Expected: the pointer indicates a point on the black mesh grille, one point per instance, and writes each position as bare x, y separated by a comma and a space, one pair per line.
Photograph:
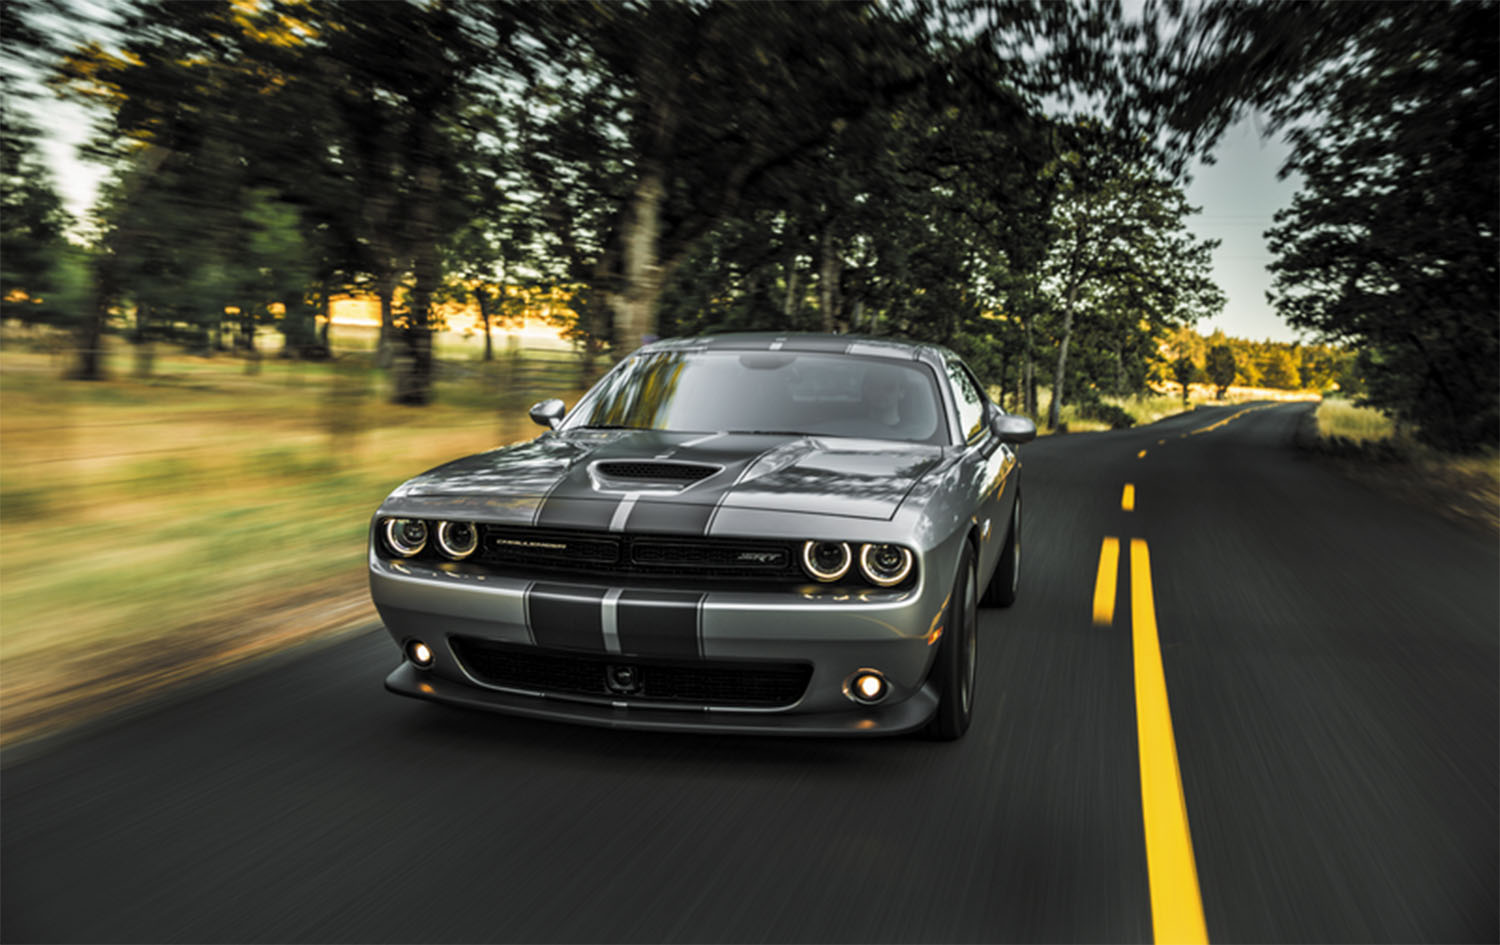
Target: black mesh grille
686, 555
561, 549
595, 553
745, 684
659, 472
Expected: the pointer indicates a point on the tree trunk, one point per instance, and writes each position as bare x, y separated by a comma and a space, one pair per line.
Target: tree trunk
1028, 371
145, 352
327, 305
635, 308
1004, 375
413, 373
828, 277
91, 339
385, 288
792, 306
247, 340
1058, 380
482, 297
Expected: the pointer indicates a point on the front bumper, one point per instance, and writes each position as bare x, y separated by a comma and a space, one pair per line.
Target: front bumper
834, 633
905, 716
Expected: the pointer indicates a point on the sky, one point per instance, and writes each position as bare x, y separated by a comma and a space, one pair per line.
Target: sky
1238, 195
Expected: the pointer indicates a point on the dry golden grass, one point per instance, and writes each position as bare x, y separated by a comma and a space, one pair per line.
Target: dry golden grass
152, 529
1151, 407
1340, 418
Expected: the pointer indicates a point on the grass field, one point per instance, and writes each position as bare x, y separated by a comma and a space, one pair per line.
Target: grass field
1340, 418
149, 528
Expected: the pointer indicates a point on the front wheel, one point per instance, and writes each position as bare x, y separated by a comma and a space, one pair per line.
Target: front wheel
958, 657
1007, 577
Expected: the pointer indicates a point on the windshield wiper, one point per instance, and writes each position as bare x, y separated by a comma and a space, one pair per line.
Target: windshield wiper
611, 426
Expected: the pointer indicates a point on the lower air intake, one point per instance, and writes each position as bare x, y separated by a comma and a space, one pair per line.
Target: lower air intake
731, 684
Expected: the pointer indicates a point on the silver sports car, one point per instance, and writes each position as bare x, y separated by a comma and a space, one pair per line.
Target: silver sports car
783, 534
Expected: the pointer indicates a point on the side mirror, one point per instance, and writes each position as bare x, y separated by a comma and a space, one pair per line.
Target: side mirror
549, 413
1011, 428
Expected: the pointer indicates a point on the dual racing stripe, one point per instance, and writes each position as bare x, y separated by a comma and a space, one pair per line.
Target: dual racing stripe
574, 503
662, 624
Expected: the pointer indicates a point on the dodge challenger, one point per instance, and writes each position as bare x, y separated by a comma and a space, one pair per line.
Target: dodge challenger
762, 533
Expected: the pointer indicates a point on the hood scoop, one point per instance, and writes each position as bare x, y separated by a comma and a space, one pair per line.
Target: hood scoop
635, 474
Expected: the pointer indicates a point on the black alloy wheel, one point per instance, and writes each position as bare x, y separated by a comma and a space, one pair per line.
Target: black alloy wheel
958, 656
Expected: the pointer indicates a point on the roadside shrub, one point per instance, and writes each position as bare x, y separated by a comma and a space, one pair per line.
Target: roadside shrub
1117, 417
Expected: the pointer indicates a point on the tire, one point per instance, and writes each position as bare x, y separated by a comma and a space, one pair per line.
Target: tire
1007, 577
955, 671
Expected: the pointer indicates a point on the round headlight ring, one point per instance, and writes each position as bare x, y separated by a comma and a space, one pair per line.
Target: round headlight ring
457, 540
885, 565
405, 536
826, 560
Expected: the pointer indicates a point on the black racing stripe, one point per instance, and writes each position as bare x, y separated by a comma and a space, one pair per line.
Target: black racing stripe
563, 511
574, 503
671, 516
561, 615
659, 623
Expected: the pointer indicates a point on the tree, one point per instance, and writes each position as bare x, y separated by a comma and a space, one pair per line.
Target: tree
1394, 243
1123, 248
1184, 372
32, 222
34, 255
1280, 370
1221, 368
1393, 115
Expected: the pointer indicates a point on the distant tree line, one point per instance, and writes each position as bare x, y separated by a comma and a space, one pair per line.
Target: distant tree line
902, 169
1225, 361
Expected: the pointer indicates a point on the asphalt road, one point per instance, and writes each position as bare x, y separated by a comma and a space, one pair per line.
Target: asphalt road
1330, 661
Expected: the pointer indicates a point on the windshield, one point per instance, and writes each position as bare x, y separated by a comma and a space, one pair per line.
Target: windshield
769, 392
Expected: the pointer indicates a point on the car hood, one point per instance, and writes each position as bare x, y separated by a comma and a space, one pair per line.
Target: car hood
575, 479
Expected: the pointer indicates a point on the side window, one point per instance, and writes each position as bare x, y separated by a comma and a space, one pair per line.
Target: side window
970, 401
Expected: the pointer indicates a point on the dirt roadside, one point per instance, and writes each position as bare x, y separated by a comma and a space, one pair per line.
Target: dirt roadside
47, 694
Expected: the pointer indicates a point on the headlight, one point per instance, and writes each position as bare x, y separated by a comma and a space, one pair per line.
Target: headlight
405, 536
885, 565
826, 560
457, 539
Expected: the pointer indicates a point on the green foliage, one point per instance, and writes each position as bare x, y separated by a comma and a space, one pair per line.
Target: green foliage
32, 221
1393, 246
1221, 368
1124, 267
1184, 372
1393, 241
1280, 370
1116, 416
675, 168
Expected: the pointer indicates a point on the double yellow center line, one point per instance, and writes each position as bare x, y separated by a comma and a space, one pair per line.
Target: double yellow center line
1176, 902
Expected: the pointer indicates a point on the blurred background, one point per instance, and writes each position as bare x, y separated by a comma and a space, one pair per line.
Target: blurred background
325, 246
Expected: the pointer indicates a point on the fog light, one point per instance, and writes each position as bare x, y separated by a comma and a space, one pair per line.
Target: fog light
419, 653
866, 687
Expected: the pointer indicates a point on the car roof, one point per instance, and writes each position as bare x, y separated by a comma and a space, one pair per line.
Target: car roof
810, 342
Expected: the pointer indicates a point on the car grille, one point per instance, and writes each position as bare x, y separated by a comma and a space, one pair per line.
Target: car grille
594, 553
743, 684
